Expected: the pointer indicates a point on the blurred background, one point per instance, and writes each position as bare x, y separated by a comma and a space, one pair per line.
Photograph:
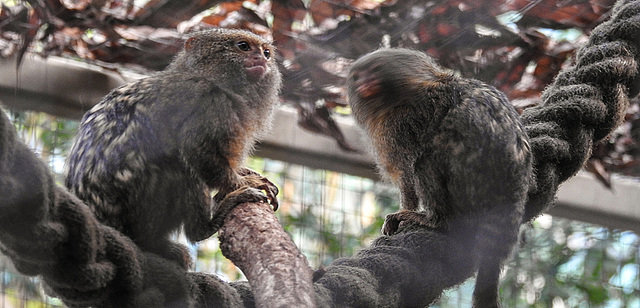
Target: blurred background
58, 57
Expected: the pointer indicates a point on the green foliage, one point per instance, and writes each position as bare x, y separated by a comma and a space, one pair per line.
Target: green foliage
564, 263
47, 135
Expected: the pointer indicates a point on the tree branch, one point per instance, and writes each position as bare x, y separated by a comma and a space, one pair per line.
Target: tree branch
277, 271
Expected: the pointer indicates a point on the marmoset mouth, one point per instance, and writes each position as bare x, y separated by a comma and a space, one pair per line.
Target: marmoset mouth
255, 67
256, 71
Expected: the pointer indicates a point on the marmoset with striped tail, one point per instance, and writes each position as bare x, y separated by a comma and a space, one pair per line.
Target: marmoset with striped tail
453, 146
147, 156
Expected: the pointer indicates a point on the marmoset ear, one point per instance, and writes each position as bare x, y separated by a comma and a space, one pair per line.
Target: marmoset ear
190, 43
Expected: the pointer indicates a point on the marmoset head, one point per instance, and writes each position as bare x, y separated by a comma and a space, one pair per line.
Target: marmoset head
389, 77
228, 55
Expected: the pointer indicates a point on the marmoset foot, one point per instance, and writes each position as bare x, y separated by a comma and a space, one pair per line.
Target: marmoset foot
392, 221
253, 179
244, 194
262, 183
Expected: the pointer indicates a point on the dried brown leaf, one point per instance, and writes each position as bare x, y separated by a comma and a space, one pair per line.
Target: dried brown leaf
321, 10
595, 167
568, 13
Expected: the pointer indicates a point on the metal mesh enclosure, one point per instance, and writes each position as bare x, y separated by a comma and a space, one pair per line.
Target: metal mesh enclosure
560, 263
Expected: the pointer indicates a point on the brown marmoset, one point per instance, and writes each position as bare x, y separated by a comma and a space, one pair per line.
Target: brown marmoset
453, 146
148, 155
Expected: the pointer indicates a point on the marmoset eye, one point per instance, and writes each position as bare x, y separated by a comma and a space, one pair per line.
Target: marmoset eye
244, 46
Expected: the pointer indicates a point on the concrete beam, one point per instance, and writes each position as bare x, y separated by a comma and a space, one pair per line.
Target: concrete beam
584, 198
57, 86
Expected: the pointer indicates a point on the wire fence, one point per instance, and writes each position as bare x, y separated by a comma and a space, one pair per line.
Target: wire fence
560, 263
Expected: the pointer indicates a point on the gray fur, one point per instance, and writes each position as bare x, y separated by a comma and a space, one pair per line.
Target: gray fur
147, 155
455, 148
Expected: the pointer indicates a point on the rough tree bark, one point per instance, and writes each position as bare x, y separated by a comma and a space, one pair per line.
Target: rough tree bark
279, 275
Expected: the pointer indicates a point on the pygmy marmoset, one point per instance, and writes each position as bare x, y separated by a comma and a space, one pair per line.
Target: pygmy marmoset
147, 156
454, 147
